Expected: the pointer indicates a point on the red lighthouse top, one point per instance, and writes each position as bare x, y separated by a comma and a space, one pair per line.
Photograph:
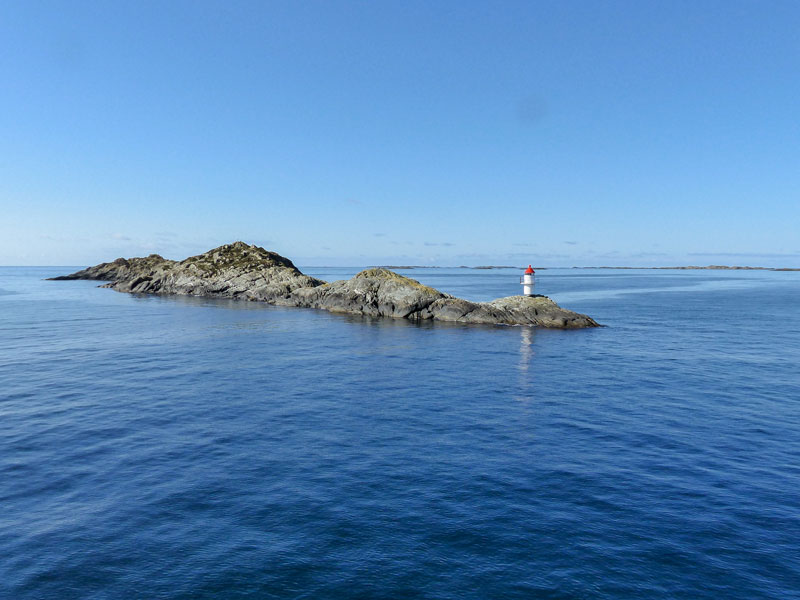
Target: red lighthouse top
529, 271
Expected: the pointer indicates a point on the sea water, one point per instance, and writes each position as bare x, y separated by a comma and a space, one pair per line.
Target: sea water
177, 447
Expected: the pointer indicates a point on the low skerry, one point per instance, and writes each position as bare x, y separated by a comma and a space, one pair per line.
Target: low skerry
248, 272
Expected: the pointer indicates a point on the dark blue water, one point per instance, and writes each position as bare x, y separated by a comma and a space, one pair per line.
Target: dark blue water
186, 448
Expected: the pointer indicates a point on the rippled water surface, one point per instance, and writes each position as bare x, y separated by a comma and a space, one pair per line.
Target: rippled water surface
156, 447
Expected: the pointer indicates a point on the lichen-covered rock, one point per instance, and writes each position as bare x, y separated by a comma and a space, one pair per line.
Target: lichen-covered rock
248, 272
374, 293
538, 310
121, 269
230, 271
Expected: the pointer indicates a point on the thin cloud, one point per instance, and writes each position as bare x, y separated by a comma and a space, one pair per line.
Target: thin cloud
537, 255
648, 254
747, 254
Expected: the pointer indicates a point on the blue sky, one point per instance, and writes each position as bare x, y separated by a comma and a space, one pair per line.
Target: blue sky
356, 133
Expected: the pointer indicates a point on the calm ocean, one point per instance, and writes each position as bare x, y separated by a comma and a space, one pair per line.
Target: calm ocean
173, 447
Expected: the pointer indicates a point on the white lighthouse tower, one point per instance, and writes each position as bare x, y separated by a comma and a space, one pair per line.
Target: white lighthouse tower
527, 281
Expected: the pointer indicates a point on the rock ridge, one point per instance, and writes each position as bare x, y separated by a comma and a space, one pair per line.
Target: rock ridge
249, 272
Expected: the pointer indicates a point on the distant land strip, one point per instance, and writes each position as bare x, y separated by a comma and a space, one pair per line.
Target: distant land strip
686, 268
707, 268
440, 267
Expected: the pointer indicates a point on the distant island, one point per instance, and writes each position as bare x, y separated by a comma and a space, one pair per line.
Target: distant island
406, 267
695, 268
247, 272
685, 268
492, 267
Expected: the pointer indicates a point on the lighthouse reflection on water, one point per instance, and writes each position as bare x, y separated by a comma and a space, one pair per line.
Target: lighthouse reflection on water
525, 348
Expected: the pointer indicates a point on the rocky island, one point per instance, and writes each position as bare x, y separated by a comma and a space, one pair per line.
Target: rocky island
247, 272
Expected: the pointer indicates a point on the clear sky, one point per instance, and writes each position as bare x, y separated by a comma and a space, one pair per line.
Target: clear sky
352, 133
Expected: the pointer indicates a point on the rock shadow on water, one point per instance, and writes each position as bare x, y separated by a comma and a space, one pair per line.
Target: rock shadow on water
203, 302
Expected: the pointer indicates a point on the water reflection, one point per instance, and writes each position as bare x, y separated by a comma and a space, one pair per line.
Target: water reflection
524, 387
203, 301
525, 349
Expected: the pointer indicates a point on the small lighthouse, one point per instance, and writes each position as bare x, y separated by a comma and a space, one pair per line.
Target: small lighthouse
527, 281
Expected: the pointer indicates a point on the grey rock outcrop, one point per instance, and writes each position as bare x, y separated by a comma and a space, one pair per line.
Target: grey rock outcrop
374, 293
247, 272
230, 271
121, 269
